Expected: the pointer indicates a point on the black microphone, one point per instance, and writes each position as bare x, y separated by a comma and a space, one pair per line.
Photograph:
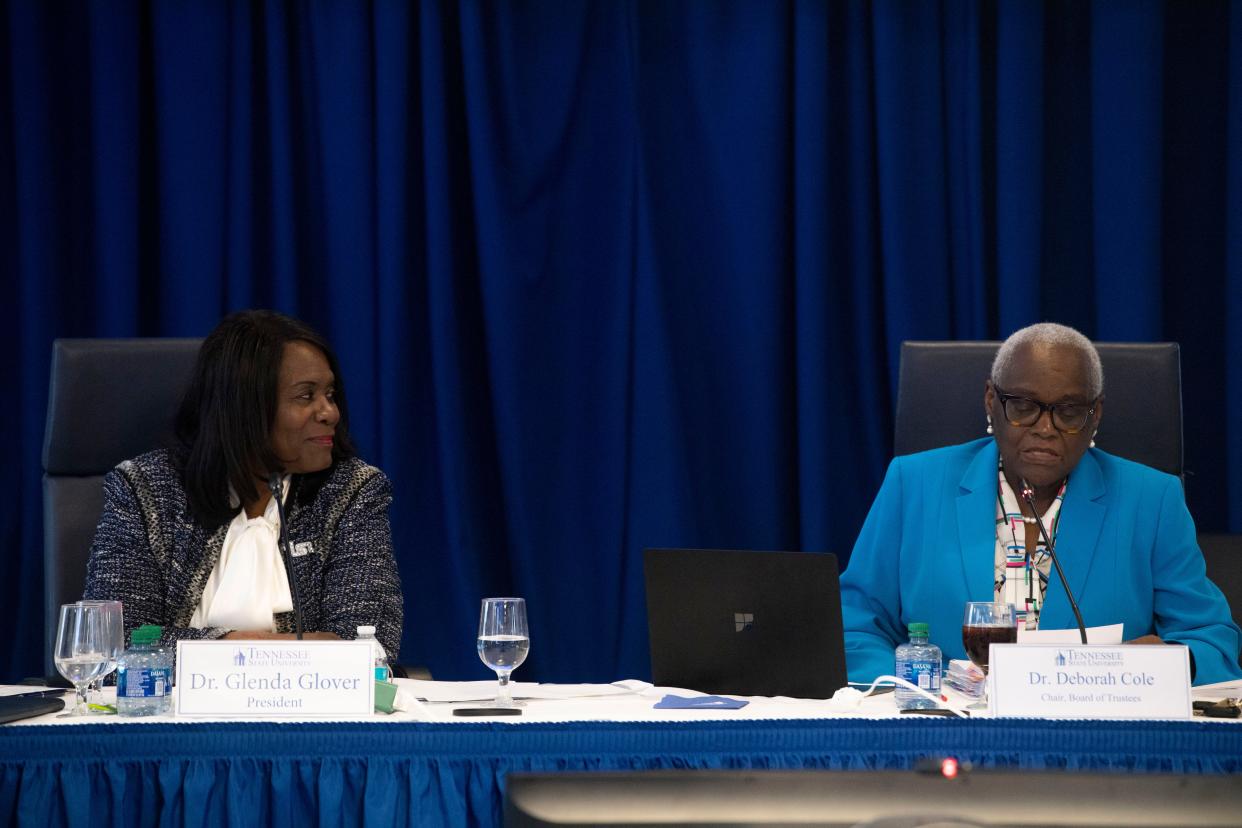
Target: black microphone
1028, 494
286, 554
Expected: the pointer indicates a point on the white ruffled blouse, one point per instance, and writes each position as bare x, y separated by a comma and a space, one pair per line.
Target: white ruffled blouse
248, 585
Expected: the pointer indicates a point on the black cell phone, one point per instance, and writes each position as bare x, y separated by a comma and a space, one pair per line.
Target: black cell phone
1222, 709
487, 711
934, 711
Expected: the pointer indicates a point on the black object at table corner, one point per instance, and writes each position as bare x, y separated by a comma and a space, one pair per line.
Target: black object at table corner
1217, 709
15, 708
487, 711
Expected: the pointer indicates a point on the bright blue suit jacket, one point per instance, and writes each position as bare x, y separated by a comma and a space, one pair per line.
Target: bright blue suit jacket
1126, 541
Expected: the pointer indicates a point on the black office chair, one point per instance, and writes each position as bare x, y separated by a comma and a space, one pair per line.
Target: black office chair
940, 398
1223, 556
109, 400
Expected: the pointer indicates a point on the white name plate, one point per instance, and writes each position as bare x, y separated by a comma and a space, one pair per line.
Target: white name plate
1089, 681
275, 679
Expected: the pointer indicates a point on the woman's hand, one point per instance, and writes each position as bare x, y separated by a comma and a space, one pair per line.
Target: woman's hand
1146, 639
267, 635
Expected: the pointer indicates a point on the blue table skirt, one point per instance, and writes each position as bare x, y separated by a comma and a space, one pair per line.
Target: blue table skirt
348, 774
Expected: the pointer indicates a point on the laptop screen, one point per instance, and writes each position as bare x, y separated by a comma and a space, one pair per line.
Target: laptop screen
744, 622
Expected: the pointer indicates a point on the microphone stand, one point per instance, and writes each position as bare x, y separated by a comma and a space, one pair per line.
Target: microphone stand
1028, 494
286, 554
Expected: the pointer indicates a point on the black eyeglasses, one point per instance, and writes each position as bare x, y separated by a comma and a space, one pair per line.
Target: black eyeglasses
1067, 418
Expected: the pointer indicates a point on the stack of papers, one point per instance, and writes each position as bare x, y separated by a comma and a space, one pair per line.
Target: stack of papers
967, 679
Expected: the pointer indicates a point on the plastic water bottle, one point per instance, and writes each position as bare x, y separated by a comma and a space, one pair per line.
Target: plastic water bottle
382, 671
144, 675
918, 662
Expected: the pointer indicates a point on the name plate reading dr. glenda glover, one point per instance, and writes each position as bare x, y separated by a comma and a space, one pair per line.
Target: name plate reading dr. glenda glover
275, 679
1090, 681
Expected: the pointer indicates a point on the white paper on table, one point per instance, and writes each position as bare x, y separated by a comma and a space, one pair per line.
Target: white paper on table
583, 691
457, 691
1110, 634
464, 691
1220, 690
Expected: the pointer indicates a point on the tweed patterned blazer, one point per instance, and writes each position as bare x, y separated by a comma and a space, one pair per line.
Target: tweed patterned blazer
151, 554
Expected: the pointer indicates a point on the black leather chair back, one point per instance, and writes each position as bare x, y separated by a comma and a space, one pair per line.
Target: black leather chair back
1223, 556
109, 400
940, 398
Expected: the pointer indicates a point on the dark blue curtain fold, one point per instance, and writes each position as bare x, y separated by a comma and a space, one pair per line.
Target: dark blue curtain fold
611, 275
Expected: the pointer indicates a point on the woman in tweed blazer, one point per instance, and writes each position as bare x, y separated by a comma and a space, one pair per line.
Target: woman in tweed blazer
266, 398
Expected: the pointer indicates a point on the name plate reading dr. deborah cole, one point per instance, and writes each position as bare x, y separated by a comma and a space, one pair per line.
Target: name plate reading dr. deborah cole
274, 679
1090, 681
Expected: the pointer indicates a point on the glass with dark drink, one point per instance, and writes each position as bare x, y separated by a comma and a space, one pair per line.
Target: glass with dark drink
984, 624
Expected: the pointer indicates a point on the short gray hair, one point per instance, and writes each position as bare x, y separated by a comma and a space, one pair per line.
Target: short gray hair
1050, 333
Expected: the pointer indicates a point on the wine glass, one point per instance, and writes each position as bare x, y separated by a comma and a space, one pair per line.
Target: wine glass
115, 637
81, 647
984, 624
504, 641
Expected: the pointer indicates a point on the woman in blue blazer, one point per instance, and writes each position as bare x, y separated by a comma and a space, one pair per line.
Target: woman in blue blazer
946, 527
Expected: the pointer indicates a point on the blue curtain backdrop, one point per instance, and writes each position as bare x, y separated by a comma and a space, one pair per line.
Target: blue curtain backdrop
608, 275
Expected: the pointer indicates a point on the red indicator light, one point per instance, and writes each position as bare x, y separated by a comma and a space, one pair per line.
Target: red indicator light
949, 768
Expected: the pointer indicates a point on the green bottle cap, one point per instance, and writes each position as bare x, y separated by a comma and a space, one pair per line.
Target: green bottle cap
146, 634
918, 628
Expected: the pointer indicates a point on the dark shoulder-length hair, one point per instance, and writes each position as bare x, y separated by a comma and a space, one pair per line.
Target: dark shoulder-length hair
224, 424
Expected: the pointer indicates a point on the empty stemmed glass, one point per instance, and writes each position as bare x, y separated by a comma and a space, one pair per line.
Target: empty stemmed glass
504, 641
82, 644
115, 638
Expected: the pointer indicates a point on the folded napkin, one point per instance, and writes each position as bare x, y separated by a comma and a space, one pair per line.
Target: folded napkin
671, 702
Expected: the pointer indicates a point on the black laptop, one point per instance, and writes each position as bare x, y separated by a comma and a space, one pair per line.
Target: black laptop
745, 623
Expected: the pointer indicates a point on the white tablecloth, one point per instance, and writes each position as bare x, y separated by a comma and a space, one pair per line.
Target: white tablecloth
625, 701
